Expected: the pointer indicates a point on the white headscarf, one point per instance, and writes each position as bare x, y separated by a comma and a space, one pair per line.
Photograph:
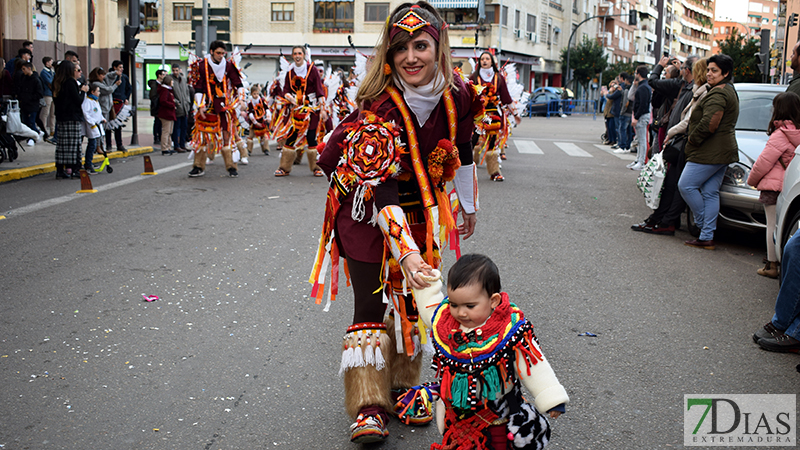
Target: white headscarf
300, 70
219, 69
487, 74
424, 98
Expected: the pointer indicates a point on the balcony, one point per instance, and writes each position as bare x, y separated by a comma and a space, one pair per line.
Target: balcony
644, 34
645, 8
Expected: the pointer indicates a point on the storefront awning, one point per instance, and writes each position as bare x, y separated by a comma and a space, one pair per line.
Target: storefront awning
454, 4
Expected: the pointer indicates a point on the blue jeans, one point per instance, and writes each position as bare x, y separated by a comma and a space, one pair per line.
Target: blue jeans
91, 146
611, 126
699, 187
642, 137
623, 131
179, 133
29, 119
787, 305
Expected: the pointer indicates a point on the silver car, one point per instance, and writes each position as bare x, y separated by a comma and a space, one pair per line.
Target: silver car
787, 210
739, 205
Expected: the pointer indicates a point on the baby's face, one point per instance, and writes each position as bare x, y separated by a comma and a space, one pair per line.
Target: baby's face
471, 305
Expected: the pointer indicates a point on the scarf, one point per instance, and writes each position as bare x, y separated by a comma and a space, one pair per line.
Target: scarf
487, 74
219, 69
301, 70
93, 97
424, 98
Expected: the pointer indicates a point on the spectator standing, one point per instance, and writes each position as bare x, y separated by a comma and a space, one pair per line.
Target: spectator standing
93, 120
153, 85
666, 91
180, 89
625, 114
73, 58
794, 85
615, 97
166, 113
25, 54
47, 114
782, 333
121, 94
770, 167
608, 114
28, 91
711, 146
641, 116
98, 75
68, 96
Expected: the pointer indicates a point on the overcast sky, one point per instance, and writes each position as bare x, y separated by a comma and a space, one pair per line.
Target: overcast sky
735, 9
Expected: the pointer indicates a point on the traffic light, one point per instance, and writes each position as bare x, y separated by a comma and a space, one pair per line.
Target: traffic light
633, 18
793, 20
133, 28
761, 60
131, 42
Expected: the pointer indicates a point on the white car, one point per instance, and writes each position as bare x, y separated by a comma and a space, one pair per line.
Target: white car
787, 210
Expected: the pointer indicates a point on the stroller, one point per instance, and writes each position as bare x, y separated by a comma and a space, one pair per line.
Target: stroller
8, 145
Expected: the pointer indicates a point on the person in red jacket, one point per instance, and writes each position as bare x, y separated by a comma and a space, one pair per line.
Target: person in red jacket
770, 167
166, 114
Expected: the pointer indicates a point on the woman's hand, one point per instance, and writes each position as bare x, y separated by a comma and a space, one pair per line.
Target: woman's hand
468, 226
85, 88
412, 264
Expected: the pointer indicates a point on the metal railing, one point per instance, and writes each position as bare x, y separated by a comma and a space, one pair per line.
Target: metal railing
567, 107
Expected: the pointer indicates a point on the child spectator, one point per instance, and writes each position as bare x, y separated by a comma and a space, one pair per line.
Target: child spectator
484, 350
166, 113
768, 171
257, 117
93, 121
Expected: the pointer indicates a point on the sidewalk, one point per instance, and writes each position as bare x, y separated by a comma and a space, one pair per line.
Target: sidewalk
40, 158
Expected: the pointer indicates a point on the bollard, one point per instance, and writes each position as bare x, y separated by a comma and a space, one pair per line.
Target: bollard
148, 166
86, 184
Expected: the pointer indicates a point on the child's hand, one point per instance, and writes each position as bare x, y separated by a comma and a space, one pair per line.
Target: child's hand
555, 414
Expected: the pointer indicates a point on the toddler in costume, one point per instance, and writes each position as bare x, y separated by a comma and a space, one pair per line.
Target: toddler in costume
484, 349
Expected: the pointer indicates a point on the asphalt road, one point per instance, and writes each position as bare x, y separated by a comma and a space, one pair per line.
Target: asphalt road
234, 355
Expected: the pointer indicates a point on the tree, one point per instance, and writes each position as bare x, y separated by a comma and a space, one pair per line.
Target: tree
743, 52
617, 68
586, 60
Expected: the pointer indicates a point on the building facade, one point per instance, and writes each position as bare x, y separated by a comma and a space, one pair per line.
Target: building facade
723, 30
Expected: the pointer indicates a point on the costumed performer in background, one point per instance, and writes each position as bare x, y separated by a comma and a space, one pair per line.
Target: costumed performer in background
411, 134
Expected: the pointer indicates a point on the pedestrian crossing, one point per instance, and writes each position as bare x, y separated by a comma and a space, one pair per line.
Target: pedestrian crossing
531, 147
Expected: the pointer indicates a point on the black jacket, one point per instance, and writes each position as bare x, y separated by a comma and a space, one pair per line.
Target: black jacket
615, 97
641, 105
68, 103
666, 90
28, 90
684, 98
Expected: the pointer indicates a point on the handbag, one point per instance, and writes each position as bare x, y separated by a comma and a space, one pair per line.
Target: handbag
13, 121
674, 148
651, 180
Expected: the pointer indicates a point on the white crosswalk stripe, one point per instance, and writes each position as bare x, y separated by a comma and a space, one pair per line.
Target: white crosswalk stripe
572, 149
529, 147
623, 156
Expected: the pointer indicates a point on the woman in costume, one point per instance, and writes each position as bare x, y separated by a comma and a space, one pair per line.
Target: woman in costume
492, 134
411, 133
258, 119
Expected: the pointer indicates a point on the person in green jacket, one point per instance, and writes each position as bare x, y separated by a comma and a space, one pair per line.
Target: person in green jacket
711, 146
794, 85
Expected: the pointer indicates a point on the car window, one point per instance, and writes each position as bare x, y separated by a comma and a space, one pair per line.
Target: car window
755, 110
540, 98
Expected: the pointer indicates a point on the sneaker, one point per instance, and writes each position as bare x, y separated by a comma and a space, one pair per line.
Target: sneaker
637, 167
209, 161
707, 245
620, 151
120, 148
765, 332
369, 428
781, 343
615, 146
245, 161
31, 143
233, 173
660, 229
497, 177
631, 164
196, 172
641, 226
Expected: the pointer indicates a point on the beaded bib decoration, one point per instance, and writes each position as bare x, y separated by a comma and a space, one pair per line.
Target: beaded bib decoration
479, 366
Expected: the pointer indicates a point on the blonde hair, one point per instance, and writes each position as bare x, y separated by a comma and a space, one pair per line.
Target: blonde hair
376, 81
699, 71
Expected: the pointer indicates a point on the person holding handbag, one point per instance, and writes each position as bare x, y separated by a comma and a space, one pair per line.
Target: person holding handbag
770, 167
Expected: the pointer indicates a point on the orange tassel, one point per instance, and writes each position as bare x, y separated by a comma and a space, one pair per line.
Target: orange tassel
387, 69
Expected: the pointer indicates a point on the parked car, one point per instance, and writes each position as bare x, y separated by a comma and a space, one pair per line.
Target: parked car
549, 98
787, 210
739, 205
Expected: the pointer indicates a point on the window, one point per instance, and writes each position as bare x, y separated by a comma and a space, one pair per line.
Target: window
375, 12
333, 16
490, 14
283, 12
531, 24
575, 6
182, 11
150, 22
504, 17
517, 15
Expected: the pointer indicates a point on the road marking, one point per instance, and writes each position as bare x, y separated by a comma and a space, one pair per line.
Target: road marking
529, 147
59, 200
625, 156
572, 149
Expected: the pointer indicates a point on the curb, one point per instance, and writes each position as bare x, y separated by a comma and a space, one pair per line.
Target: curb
25, 172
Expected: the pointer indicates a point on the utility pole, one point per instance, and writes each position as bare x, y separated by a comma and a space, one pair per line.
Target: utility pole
163, 22
205, 29
89, 39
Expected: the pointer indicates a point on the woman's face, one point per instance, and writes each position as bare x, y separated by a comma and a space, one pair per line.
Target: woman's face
714, 75
77, 72
101, 76
415, 61
486, 61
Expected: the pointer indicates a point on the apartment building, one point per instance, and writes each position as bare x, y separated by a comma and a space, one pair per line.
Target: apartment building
723, 30
616, 35
762, 15
693, 21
